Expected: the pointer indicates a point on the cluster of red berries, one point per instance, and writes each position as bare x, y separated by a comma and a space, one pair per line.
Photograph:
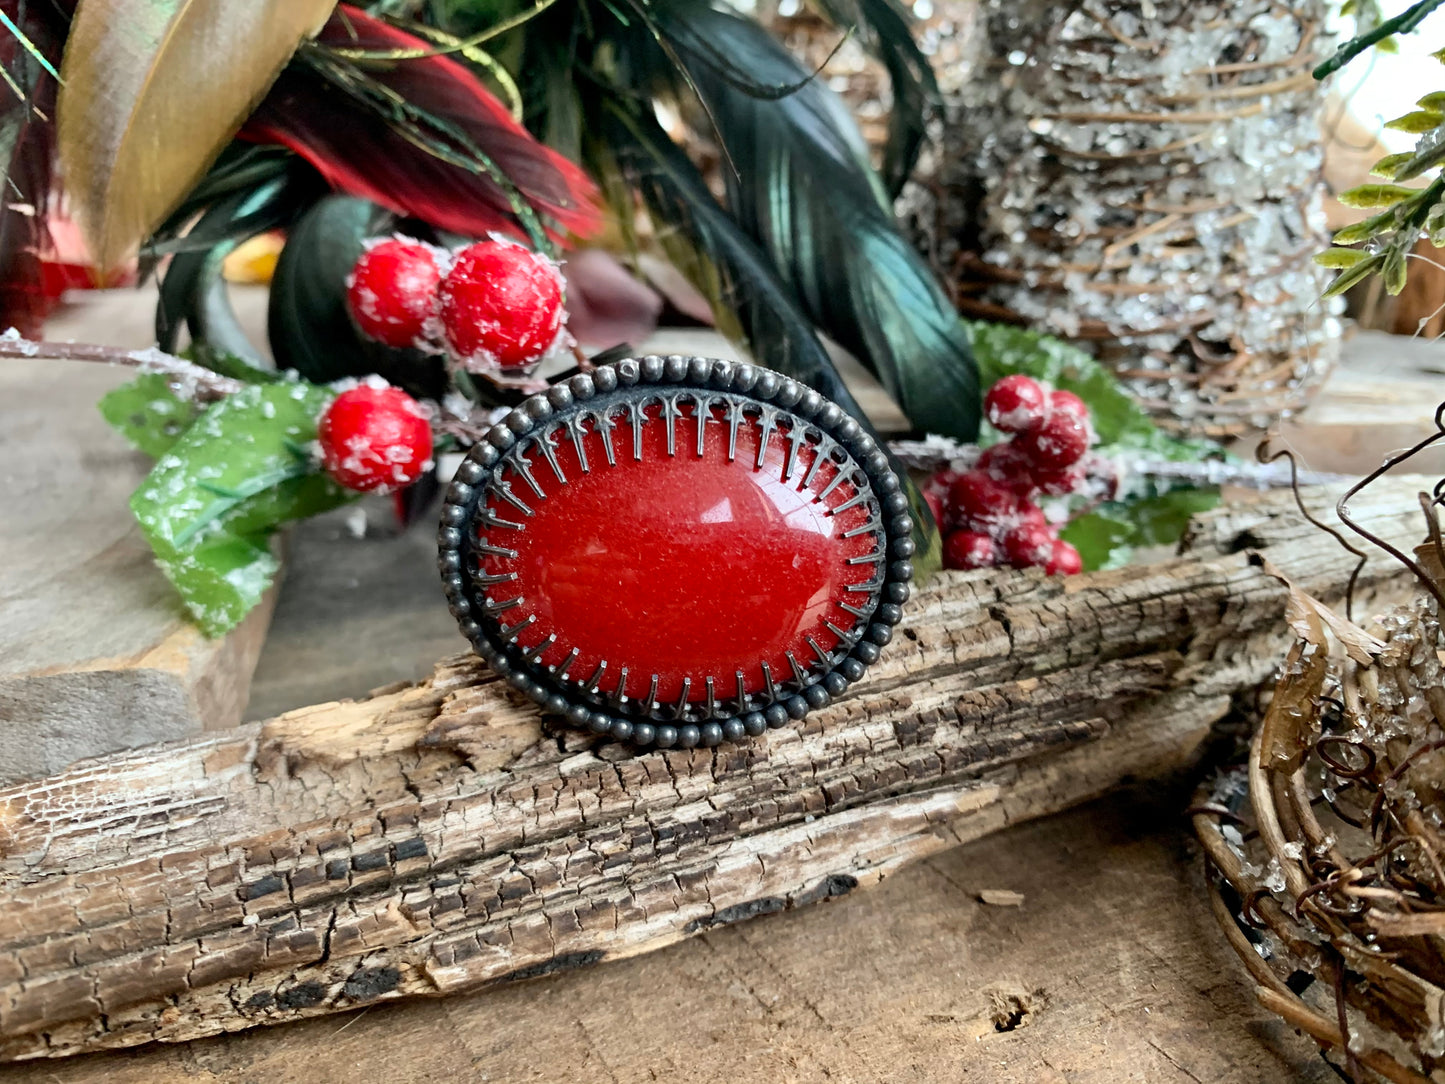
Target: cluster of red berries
493, 305
990, 514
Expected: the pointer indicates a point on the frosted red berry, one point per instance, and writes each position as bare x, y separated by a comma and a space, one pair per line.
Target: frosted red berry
375, 439
969, 549
1064, 560
501, 305
935, 505
1059, 442
1069, 403
1016, 404
1060, 483
392, 292
1028, 545
1006, 463
980, 502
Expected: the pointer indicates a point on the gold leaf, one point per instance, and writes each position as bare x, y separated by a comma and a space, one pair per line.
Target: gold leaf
1309, 618
152, 92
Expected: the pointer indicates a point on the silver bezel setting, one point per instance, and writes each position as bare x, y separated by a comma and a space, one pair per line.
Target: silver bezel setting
632, 385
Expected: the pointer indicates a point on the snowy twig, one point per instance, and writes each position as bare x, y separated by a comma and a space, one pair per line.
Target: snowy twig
187, 379
935, 452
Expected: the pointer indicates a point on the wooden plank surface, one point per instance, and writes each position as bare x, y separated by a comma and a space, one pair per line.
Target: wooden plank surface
96, 653
436, 839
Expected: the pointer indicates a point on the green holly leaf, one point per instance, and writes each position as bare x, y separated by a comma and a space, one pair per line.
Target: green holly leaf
216, 495
1416, 122
1119, 421
1389, 165
1376, 195
1340, 258
1108, 536
148, 413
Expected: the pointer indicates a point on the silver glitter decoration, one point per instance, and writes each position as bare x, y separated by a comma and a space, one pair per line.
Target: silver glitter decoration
1148, 184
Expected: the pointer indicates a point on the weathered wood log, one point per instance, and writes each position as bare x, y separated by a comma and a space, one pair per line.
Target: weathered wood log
441, 837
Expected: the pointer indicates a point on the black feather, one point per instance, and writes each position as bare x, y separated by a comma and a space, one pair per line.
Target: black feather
884, 27
804, 191
709, 247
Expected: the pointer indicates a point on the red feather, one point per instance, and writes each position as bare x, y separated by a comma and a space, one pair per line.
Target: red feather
360, 152
28, 176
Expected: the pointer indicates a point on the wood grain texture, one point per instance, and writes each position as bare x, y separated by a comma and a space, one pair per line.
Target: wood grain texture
96, 652
439, 838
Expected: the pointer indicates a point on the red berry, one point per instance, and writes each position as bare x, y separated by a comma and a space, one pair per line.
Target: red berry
980, 502
1069, 403
375, 439
1059, 442
1007, 464
969, 549
935, 505
1016, 404
1060, 483
1028, 545
501, 305
1064, 560
392, 292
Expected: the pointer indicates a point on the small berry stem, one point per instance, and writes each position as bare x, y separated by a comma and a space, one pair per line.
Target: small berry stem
584, 363
191, 381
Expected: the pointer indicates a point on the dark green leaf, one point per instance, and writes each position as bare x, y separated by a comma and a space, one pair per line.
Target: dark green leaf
148, 414
310, 327
219, 491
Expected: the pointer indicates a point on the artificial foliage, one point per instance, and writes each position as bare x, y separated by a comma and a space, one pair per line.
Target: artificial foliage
1382, 243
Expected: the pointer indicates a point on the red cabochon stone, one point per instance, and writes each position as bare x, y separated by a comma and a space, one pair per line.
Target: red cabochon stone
682, 566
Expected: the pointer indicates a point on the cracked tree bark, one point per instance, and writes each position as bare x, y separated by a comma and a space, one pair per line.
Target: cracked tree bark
442, 838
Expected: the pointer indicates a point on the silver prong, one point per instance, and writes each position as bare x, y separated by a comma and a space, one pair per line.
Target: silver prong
768, 681
568, 661
856, 611
650, 703
711, 698
857, 498
511, 633
575, 431
870, 559
797, 436
767, 423
503, 489
871, 525
735, 419
484, 546
619, 695
487, 579
837, 480
636, 416
549, 452
492, 609
541, 648
799, 674
824, 453
605, 425
596, 678
818, 649
681, 705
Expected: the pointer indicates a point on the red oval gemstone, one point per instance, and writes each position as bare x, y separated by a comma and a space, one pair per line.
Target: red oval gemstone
656, 565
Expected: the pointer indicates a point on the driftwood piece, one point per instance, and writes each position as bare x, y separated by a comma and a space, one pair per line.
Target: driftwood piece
440, 838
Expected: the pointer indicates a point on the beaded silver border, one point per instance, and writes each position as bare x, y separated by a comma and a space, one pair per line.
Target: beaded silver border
465, 501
